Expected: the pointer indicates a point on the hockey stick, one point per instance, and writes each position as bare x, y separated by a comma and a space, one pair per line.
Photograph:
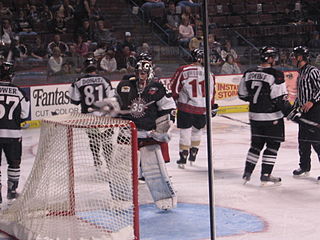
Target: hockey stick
233, 119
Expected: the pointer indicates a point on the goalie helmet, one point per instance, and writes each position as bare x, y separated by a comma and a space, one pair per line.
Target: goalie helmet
145, 66
90, 65
197, 55
301, 51
144, 56
6, 72
266, 52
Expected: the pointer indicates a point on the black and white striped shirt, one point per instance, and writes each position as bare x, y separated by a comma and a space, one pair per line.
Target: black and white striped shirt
308, 85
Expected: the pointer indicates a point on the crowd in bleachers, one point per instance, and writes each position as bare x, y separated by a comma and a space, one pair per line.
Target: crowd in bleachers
60, 34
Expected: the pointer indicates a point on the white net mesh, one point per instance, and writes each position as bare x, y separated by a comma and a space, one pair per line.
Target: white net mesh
83, 183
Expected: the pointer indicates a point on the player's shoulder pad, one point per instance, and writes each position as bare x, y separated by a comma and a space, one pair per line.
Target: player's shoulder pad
278, 75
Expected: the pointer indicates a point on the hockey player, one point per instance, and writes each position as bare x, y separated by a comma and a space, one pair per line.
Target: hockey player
308, 105
87, 90
265, 90
147, 104
188, 89
14, 108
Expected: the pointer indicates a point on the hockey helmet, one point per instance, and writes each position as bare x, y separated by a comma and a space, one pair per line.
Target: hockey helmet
6, 72
145, 66
268, 51
144, 56
197, 55
90, 65
301, 51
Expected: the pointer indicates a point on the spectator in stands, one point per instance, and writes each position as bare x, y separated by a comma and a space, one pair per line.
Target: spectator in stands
86, 31
100, 51
34, 15
67, 68
172, 23
144, 49
82, 47
74, 57
103, 35
149, 5
230, 66
23, 23
215, 57
196, 41
58, 24
315, 40
185, 33
55, 62
228, 50
125, 60
63, 47
284, 63
7, 32
66, 11
95, 11
129, 41
5, 11
19, 50
46, 15
38, 49
81, 11
108, 63
53, 5
190, 17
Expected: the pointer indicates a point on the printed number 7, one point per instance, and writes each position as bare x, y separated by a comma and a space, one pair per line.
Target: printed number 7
258, 86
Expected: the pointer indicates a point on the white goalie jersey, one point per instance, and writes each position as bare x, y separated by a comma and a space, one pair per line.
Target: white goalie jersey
188, 88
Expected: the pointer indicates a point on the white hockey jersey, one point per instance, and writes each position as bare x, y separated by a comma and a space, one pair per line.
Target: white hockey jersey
188, 88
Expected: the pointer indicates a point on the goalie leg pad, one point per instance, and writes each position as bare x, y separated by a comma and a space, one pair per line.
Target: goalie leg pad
157, 178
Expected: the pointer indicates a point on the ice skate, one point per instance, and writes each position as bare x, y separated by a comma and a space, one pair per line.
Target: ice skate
193, 155
12, 193
300, 173
183, 159
269, 180
246, 177
318, 180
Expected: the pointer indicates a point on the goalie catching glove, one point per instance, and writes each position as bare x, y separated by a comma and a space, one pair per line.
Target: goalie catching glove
106, 107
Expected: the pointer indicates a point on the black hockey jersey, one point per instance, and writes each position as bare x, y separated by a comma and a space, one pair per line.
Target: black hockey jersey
262, 87
14, 108
89, 89
145, 107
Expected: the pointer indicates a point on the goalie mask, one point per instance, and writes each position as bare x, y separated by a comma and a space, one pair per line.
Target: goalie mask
266, 52
90, 65
145, 66
197, 55
6, 72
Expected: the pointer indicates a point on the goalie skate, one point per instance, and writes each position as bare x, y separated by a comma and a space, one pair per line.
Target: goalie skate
166, 204
269, 180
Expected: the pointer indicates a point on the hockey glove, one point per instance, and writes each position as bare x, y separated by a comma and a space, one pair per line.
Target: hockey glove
214, 110
106, 107
294, 115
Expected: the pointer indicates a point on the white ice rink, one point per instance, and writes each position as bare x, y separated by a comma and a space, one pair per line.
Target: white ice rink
289, 212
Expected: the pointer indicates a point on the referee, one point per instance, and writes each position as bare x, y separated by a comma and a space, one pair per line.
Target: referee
308, 102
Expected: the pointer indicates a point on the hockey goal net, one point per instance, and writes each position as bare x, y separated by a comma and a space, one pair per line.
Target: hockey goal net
83, 184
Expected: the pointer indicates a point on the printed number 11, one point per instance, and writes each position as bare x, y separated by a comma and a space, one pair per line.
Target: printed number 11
194, 83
